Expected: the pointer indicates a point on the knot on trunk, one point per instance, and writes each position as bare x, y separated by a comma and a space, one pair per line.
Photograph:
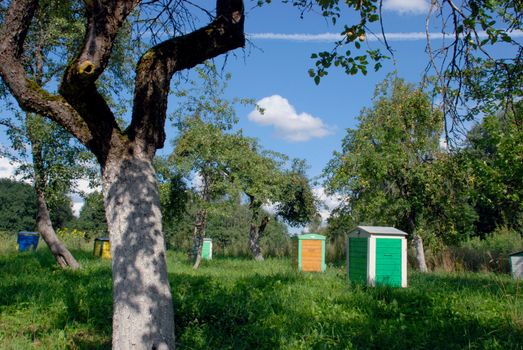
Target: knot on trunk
86, 67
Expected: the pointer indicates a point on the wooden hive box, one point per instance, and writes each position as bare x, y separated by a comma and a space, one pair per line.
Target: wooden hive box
102, 248
377, 255
516, 265
309, 252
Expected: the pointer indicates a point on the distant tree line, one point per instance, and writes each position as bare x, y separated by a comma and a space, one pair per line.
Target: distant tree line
18, 207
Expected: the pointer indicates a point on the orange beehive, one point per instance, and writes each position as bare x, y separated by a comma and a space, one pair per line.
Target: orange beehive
309, 252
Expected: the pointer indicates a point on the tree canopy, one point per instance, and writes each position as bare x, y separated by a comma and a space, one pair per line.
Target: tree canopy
17, 206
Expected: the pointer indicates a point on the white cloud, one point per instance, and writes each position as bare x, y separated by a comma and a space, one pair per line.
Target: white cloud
197, 182
327, 202
323, 37
81, 186
289, 125
391, 37
414, 7
270, 208
443, 145
7, 169
77, 207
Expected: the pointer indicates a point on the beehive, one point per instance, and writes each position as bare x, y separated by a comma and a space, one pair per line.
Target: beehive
102, 248
207, 249
377, 255
27, 241
309, 252
516, 265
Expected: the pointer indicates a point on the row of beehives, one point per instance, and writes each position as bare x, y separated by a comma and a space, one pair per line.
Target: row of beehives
102, 248
375, 255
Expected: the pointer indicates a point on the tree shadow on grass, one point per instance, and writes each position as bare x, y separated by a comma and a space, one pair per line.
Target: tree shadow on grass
278, 310
44, 298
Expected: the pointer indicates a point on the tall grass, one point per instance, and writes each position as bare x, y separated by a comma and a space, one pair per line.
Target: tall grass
235, 303
490, 254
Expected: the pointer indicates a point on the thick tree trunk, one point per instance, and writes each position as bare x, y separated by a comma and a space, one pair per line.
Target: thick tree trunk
255, 234
63, 257
420, 253
143, 316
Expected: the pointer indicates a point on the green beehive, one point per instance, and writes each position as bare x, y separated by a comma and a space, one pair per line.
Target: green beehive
207, 249
309, 252
377, 255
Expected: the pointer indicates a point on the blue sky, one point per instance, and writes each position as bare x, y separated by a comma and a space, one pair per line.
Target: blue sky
302, 119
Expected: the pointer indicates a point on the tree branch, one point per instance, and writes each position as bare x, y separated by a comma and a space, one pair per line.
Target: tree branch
30, 96
157, 66
104, 20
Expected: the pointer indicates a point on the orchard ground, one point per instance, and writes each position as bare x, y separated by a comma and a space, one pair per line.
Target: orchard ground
233, 303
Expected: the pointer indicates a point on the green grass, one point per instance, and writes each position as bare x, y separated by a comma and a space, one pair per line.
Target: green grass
241, 304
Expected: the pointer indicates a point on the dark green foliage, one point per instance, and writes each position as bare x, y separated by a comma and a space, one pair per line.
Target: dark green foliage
227, 226
242, 304
61, 211
17, 206
297, 204
391, 169
494, 153
228, 229
92, 216
489, 254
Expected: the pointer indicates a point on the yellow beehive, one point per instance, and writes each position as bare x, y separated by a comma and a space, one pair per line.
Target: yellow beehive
102, 248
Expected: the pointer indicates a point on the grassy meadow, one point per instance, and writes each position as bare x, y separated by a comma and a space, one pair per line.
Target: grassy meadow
241, 304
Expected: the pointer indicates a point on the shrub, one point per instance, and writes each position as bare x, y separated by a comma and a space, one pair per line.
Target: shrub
335, 251
73, 238
476, 254
491, 253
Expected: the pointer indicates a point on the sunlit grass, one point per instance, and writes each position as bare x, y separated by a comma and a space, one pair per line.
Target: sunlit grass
242, 304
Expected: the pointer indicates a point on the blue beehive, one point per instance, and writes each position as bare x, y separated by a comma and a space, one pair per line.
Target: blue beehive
27, 241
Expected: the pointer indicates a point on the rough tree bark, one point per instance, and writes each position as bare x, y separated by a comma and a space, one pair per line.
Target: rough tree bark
255, 235
418, 245
143, 316
198, 233
140, 282
256, 231
201, 221
420, 253
63, 256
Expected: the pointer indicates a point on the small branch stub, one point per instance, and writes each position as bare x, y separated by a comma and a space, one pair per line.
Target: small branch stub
86, 67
